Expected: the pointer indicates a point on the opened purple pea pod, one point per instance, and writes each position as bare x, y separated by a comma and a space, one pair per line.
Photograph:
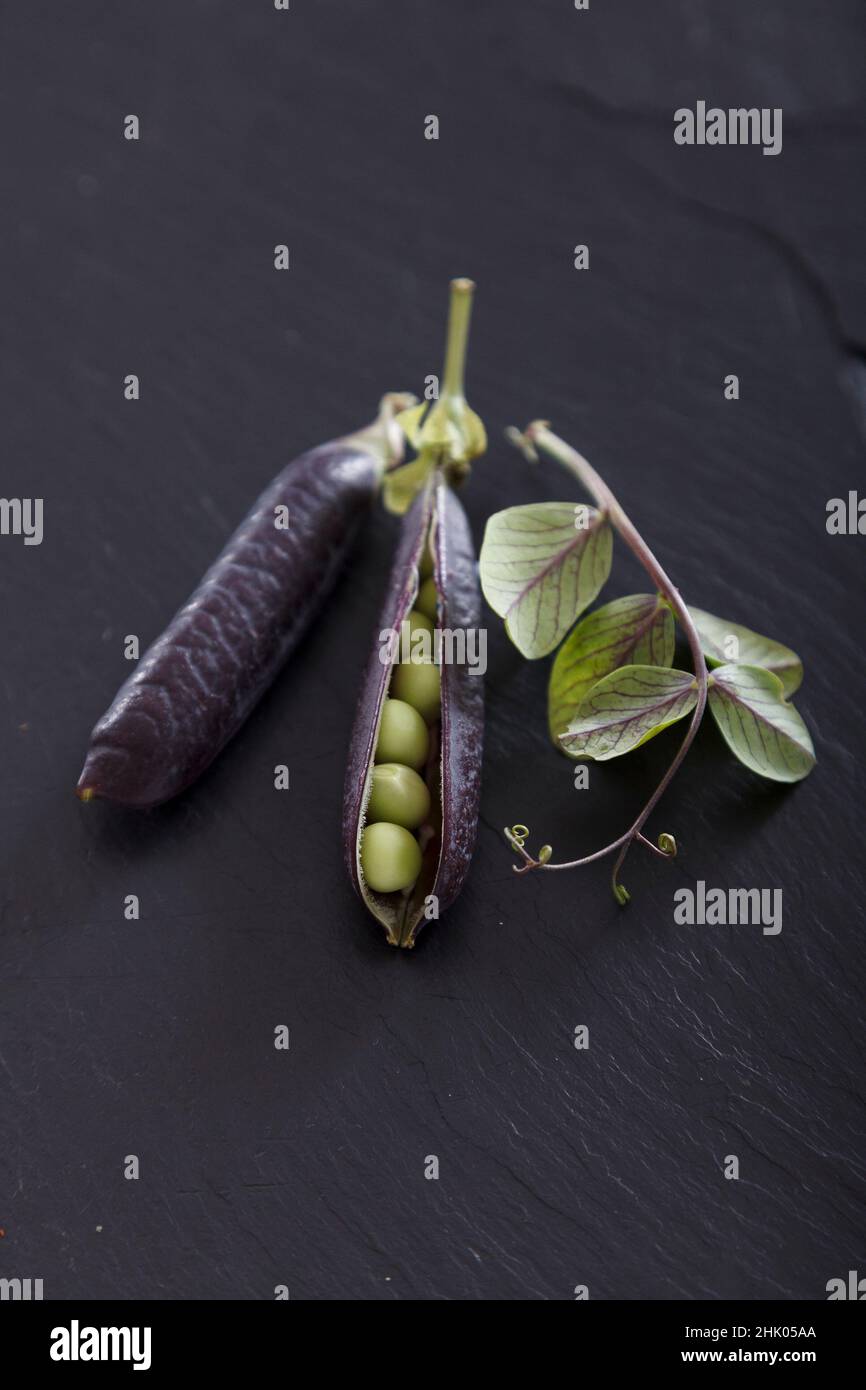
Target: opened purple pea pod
414, 774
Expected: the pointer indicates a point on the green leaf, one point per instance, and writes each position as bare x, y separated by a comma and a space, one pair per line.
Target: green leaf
724, 642
541, 566
626, 708
638, 630
758, 724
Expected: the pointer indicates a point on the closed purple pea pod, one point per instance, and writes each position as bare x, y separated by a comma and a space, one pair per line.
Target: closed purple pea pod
198, 682
452, 767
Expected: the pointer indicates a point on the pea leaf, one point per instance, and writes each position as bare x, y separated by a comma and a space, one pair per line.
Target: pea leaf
541, 566
724, 642
626, 708
637, 630
758, 724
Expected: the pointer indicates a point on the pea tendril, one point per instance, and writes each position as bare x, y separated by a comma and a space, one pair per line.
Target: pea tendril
539, 436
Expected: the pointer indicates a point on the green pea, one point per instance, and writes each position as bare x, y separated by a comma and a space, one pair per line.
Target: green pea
398, 795
427, 599
418, 621
425, 564
403, 737
390, 857
417, 682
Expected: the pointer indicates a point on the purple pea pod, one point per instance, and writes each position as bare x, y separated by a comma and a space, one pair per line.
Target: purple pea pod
197, 683
436, 534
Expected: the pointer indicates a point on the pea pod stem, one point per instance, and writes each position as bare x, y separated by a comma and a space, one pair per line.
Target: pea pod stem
452, 434
457, 338
539, 436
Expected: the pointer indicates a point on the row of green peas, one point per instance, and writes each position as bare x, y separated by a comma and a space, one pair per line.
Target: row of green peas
399, 801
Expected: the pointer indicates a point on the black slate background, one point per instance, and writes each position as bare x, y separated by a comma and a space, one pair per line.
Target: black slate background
557, 1167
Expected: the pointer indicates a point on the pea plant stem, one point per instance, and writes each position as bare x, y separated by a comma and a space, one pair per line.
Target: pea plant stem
539, 436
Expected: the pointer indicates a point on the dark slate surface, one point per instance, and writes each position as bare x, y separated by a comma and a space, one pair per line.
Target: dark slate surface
558, 1167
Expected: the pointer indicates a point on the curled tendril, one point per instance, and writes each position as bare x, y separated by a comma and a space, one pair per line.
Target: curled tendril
517, 835
666, 847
